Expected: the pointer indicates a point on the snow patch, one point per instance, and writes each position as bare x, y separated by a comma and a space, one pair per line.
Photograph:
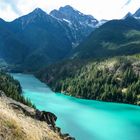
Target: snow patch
136, 17
100, 23
67, 21
74, 45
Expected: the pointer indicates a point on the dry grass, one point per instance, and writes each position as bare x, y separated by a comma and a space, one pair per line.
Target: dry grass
16, 126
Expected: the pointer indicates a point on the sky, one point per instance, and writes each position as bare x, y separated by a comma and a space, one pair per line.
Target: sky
100, 9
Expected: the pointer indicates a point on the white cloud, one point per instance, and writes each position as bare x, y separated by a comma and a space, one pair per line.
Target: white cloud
7, 13
128, 2
133, 6
107, 9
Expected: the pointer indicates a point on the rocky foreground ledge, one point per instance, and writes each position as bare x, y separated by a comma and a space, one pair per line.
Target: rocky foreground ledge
20, 122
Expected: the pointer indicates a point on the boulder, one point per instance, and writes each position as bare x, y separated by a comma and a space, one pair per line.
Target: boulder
48, 117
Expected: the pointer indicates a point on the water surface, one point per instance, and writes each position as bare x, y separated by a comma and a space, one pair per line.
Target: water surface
84, 119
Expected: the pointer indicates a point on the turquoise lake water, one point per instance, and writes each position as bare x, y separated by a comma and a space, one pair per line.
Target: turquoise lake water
84, 119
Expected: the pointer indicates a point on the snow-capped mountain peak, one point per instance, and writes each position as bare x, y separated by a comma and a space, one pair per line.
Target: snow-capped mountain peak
38, 12
81, 25
69, 13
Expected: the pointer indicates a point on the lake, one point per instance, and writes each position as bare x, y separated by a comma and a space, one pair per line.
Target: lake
84, 119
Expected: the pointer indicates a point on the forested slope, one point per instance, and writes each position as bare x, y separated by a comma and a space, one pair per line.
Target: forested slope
114, 79
12, 88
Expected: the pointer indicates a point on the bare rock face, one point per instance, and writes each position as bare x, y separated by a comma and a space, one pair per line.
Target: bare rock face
48, 117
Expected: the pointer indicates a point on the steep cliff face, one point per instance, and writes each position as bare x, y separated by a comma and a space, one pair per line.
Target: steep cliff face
20, 122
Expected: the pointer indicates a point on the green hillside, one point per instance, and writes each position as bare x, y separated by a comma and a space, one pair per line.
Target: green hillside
114, 38
115, 79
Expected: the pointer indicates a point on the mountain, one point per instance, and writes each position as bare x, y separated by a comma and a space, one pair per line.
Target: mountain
137, 14
116, 37
128, 15
39, 39
81, 25
40, 32
9, 43
103, 66
34, 40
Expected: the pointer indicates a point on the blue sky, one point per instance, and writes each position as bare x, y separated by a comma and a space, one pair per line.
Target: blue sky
100, 9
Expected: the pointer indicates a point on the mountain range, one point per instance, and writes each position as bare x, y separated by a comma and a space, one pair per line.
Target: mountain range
105, 66
116, 37
38, 39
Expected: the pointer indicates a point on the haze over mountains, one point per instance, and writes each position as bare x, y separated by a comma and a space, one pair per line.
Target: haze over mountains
38, 39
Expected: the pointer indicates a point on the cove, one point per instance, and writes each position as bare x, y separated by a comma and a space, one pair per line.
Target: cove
84, 119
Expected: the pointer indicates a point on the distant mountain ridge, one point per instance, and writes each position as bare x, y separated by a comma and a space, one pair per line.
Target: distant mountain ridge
39, 39
137, 14
114, 38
